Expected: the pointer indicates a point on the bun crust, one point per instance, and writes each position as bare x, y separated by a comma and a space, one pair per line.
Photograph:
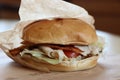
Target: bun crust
31, 62
60, 31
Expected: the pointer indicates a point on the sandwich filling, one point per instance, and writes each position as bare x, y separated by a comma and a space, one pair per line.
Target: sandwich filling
55, 54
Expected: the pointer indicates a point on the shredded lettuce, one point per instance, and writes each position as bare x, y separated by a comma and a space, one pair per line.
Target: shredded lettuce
38, 54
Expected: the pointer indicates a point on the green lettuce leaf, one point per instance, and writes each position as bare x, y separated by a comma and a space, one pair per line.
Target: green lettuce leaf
38, 54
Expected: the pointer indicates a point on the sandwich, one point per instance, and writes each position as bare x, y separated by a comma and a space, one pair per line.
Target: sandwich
60, 44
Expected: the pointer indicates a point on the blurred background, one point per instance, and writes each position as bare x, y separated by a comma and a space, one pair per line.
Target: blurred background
105, 12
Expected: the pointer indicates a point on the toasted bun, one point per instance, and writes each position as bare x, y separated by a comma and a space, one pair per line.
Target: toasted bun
31, 62
60, 31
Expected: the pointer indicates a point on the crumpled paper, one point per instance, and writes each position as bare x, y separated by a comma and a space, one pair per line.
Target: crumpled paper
32, 10
48, 9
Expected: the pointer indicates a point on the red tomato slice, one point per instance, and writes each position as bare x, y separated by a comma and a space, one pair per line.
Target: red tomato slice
70, 54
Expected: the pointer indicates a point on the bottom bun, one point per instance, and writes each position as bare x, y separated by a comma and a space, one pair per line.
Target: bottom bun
31, 62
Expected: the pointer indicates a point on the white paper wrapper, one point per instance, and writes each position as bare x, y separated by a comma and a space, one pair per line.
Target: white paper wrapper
48, 9
32, 10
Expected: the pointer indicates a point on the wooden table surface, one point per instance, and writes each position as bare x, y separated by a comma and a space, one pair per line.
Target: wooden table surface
108, 67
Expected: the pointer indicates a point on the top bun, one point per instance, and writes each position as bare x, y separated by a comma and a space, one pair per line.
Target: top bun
64, 31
